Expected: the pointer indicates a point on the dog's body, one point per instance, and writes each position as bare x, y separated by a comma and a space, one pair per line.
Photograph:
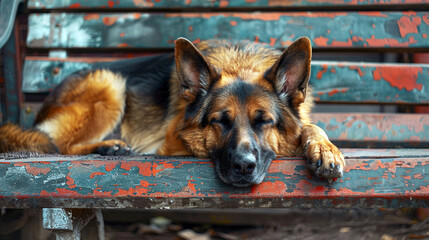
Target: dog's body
240, 104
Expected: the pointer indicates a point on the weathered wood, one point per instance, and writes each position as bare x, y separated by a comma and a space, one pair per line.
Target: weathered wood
345, 129
154, 182
12, 99
70, 224
278, 29
103, 4
375, 130
331, 81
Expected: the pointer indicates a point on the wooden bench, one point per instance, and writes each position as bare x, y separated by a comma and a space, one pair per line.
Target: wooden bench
363, 61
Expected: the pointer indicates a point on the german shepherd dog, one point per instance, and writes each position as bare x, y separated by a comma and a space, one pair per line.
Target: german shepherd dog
239, 103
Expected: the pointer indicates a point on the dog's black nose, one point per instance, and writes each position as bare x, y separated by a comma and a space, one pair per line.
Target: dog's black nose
244, 163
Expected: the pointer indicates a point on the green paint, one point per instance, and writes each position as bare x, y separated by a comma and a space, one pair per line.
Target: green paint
339, 29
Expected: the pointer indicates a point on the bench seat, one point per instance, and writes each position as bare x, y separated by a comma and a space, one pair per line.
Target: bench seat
372, 178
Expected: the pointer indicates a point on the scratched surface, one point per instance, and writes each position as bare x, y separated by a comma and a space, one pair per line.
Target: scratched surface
73, 4
385, 178
332, 81
278, 29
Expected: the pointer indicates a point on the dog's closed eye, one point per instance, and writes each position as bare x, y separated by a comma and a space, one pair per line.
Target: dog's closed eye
221, 119
262, 119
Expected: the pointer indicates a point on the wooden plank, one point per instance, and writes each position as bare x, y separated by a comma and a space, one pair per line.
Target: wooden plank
375, 130
331, 81
278, 29
153, 182
12, 98
103, 4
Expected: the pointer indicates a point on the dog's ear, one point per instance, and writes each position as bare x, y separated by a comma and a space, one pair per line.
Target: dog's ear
291, 72
193, 70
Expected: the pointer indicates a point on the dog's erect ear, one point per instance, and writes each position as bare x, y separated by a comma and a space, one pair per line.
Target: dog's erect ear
193, 70
291, 72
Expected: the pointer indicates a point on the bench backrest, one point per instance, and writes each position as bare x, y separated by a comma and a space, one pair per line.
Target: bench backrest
64, 36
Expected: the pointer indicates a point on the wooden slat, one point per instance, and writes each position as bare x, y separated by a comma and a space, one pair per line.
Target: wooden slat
103, 4
375, 130
332, 81
148, 31
152, 182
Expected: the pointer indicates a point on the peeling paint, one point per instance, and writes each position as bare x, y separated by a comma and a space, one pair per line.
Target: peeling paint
190, 184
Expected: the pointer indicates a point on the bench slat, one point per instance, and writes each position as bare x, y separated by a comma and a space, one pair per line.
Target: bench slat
375, 129
151, 182
143, 30
331, 81
103, 4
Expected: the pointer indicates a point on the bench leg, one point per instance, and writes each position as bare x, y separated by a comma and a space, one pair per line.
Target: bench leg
74, 224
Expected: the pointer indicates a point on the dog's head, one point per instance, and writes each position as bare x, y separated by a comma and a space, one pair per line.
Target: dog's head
242, 104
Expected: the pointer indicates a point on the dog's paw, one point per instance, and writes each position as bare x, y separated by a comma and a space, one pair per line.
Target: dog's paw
114, 148
325, 159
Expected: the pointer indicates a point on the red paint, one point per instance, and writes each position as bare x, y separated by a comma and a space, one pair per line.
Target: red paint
74, 5
278, 166
223, 3
156, 168
70, 182
196, 41
109, 21
142, 189
233, 23
357, 39
122, 45
191, 187
64, 192
321, 41
401, 78
374, 42
44, 193
425, 19
268, 189
258, 16
256, 39
408, 25
110, 4
361, 74
96, 174
334, 91
273, 41
97, 193
336, 43
418, 176
286, 43
373, 14
122, 34
91, 16
321, 72
33, 170
373, 178
144, 167
110, 166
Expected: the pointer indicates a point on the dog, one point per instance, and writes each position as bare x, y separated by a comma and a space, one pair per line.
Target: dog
238, 103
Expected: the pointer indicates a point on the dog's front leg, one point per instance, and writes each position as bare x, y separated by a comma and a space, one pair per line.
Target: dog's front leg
324, 158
